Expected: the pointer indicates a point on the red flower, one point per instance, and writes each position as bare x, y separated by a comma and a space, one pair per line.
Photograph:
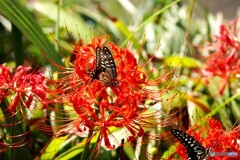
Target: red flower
100, 107
5, 81
224, 61
24, 86
214, 136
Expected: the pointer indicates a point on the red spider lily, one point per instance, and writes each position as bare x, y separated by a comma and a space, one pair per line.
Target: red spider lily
23, 85
224, 61
100, 107
5, 81
214, 136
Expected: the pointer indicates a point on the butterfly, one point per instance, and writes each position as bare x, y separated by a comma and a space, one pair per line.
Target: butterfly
195, 150
105, 68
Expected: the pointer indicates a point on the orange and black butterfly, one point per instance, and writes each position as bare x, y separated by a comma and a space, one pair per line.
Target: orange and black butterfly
105, 68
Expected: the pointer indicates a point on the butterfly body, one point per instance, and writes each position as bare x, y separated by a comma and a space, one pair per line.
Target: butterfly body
105, 68
195, 150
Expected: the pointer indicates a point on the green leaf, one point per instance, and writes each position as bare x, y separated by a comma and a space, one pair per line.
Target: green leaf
25, 22
235, 109
53, 148
229, 100
170, 151
124, 30
68, 19
150, 19
71, 153
187, 62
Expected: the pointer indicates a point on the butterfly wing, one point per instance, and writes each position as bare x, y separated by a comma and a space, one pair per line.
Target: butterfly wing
99, 55
195, 150
107, 62
94, 74
105, 68
109, 72
106, 79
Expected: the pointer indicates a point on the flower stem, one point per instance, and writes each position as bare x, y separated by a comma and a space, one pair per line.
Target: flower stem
18, 47
21, 152
94, 146
86, 148
57, 24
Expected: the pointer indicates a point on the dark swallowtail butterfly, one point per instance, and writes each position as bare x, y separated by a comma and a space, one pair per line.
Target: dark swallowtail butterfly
105, 69
195, 150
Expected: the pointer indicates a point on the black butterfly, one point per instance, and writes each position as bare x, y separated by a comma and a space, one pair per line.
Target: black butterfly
195, 150
105, 68
94, 74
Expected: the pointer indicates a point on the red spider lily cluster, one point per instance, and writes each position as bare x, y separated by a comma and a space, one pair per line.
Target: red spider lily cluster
24, 86
214, 136
100, 107
224, 60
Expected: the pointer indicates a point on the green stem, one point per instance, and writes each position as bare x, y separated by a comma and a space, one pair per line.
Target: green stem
231, 107
213, 112
86, 148
94, 146
13, 130
57, 25
189, 17
17, 45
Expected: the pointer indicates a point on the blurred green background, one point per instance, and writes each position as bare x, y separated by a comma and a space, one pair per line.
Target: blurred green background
43, 32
